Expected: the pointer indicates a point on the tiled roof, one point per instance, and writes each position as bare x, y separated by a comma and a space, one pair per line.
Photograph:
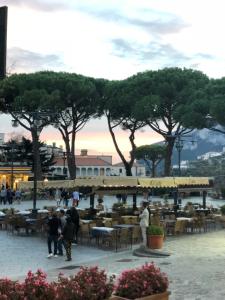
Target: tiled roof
122, 165
84, 161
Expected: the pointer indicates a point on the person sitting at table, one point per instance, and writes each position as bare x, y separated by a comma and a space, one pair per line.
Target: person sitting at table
100, 206
144, 222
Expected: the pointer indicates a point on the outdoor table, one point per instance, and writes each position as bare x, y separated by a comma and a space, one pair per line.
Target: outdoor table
23, 212
31, 221
181, 224
86, 221
103, 232
42, 211
184, 219
129, 226
102, 229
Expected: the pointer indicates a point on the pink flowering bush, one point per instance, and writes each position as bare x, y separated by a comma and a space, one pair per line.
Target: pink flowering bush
35, 286
88, 283
140, 282
10, 290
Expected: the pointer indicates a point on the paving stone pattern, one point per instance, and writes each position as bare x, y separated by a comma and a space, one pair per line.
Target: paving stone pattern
196, 267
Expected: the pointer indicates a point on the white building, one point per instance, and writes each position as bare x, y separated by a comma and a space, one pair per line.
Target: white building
94, 165
137, 170
208, 155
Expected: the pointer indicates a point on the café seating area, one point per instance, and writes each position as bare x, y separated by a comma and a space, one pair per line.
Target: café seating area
116, 230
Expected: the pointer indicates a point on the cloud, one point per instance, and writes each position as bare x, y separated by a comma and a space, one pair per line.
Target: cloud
125, 13
150, 51
152, 21
21, 60
205, 56
45, 5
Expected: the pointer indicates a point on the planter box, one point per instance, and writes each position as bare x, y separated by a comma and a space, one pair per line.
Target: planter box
155, 241
161, 296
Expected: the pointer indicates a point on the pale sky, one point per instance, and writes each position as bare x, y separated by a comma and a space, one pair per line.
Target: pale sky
113, 39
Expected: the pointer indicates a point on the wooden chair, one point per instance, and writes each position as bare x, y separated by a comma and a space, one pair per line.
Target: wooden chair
109, 240
84, 233
136, 234
124, 237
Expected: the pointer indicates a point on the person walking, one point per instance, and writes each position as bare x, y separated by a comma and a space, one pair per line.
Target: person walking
18, 196
3, 195
62, 218
76, 221
67, 237
144, 222
58, 197
54, 226
76, 198
9, 196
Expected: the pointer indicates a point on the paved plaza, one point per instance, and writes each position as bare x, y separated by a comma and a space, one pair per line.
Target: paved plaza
196, 267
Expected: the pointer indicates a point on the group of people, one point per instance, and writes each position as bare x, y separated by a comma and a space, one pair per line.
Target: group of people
9, 195
64, 196
62, 231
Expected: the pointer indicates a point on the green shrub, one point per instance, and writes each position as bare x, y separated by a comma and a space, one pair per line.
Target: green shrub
222, 209
223, 193
155, 230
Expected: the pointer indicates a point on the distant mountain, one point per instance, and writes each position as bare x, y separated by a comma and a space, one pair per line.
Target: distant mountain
204, 141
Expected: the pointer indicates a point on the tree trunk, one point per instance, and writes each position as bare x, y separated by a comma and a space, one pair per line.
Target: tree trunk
36, 153
128, 169
169, 151
127, 165
153, 168
70, 159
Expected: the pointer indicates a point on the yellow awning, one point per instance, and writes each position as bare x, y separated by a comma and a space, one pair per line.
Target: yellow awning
58, 184
29, 184
120, 181
46, 184
140, 182
95, 182
191, 180
157, 182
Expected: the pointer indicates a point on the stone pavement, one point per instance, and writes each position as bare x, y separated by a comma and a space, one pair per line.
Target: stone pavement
196, 267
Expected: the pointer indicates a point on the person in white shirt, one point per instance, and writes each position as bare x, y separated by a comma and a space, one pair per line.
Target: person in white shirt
76, 198
144, 222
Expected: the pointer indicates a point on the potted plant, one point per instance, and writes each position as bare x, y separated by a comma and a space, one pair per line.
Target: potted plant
222, 209
143, 283
155, 236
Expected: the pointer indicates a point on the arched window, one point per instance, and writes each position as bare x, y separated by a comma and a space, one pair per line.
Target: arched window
96, 172
89, 172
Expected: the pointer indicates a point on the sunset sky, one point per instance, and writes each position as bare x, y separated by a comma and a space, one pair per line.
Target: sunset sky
112, 39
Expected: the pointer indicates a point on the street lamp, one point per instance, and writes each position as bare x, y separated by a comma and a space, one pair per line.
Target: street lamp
35, 129
64, 164
179, 146
3, 40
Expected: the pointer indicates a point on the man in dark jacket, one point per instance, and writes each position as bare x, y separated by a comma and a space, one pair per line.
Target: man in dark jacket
76, 221
67, 236
54, 226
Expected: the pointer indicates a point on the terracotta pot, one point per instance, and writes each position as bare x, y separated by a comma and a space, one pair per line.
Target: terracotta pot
155, 241
161, 296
